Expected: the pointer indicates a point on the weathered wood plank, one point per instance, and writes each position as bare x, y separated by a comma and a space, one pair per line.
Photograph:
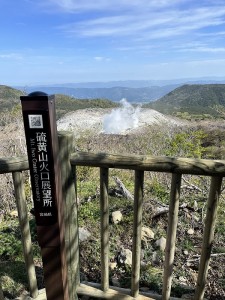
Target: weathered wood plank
93, 290
171, 235
25, 232
110, 294
104, 210
12, 164
137, 224
150, 163
208, 236
115, 293
70, 210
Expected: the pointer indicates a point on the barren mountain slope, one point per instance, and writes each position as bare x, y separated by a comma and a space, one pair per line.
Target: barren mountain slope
92, 120
97, 119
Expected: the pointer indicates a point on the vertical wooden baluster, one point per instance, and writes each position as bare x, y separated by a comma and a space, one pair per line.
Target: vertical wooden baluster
208, 235
136, 251
68, 174
25, 231
171, 235
104, 208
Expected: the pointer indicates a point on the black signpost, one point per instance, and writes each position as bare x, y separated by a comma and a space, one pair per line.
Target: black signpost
42, 147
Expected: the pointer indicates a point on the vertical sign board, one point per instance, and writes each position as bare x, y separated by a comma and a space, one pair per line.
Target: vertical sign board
42, 147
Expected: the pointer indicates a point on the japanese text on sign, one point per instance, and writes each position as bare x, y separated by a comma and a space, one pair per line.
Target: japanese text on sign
42, 167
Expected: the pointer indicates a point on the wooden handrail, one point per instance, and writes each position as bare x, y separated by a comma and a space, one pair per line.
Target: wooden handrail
190, 166
13, 164
165, 164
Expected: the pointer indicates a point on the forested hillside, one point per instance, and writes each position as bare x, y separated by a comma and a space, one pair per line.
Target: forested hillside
9, 97
194, 99
65, 104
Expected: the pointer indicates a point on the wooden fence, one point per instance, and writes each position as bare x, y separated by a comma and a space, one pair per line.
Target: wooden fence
140, 164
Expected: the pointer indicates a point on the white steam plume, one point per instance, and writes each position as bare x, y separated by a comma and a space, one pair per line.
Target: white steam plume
121, 119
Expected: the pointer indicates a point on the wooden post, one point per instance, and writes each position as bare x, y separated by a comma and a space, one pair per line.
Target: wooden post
42, 147
104, 205
25, 232
137, 225
71, 218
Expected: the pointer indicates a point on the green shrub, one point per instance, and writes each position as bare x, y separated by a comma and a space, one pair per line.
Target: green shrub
10, 246
186, 144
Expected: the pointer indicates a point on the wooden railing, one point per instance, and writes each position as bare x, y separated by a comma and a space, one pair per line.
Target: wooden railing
140, 164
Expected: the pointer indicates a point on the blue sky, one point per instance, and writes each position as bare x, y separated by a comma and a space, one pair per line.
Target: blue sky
59, 41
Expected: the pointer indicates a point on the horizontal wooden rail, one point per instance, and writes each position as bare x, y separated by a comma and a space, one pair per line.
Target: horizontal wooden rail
150, 163
190, 166
12, 164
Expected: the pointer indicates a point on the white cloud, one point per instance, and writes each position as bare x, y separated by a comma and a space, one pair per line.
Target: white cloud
14, 56
98, 58
205, 49
148, 24
101, 58
199, 46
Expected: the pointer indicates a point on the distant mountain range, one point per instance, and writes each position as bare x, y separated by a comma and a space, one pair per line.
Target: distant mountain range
135, 95
135, 83
133, 90
194, 99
